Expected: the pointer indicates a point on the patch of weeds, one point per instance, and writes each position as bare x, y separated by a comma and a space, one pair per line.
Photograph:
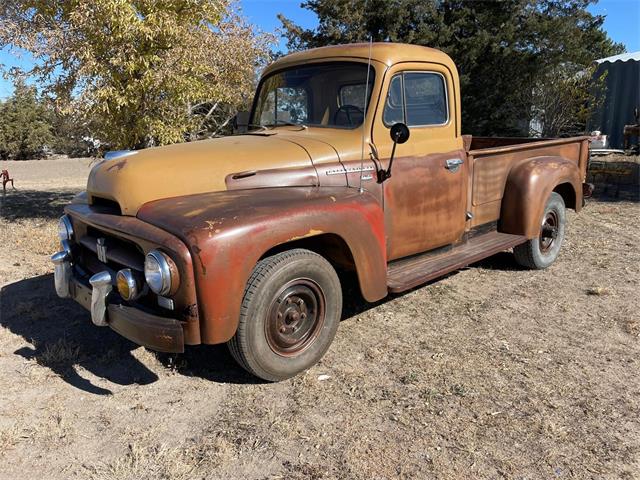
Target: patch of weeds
429, 394
61, 352
8, 438
459, 390
598, 291
632, 327
191, 460
409, 378
303, 471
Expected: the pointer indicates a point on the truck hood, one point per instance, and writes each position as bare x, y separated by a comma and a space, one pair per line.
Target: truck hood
204, 166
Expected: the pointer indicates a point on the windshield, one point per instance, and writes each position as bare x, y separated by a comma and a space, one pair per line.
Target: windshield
322, 95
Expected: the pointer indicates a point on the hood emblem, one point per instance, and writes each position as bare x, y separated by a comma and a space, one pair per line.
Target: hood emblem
101, 250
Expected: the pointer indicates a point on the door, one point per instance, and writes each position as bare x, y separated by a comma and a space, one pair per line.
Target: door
425, 198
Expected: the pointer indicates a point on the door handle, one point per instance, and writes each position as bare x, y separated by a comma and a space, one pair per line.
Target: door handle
453, 164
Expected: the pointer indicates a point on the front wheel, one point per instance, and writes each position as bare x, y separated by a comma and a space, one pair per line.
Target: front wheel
540, 252
290, 313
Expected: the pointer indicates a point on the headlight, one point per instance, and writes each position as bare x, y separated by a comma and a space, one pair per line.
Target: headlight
65, 228
160, 273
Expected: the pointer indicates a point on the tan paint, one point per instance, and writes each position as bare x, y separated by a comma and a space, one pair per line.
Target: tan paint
189, 168
210, 201
491, 168
424, 202
203, 166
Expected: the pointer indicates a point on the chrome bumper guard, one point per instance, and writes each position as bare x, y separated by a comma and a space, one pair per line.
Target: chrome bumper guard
101, 283
152, 331
62, 273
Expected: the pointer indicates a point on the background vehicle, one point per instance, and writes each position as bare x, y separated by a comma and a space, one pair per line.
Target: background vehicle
353, 159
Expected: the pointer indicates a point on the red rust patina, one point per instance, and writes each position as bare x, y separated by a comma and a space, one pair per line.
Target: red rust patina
223, 208
235, 229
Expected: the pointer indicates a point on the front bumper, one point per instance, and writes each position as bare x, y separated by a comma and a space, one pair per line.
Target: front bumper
152, 331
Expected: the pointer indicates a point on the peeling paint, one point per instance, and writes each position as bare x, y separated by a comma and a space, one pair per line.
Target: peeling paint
310, 233
211, 226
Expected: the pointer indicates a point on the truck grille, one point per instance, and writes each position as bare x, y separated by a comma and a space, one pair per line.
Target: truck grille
119, 253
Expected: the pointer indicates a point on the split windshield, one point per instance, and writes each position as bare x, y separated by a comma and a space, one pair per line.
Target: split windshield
319, 95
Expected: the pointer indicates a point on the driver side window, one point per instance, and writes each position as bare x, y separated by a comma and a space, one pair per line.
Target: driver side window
417, 99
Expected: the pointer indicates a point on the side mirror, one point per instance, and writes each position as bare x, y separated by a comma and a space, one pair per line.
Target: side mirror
241, 122
399, 134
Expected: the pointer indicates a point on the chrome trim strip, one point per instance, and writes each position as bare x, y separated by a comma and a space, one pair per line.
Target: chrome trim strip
404, 100
342, 171
113, 155
101, 250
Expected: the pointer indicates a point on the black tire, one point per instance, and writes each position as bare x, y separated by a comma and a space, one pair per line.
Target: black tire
542, 251
289, 316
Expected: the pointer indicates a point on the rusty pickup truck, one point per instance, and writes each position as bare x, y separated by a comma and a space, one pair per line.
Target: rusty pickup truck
352, 159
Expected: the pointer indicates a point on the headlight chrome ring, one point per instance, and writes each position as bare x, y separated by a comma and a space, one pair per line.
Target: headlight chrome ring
161, 273
65, 228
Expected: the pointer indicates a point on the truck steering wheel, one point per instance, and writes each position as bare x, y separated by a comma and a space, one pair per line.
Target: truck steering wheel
349, 112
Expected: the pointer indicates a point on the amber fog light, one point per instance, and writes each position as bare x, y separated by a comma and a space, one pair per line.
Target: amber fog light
129, 286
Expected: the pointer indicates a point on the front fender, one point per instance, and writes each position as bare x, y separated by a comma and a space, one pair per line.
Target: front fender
528, 187
228, 232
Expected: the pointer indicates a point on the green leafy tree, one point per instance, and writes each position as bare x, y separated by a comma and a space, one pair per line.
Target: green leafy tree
25, 125
565, 99
504, 50
138, 73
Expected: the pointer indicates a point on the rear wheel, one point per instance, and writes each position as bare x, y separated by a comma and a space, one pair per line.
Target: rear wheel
290, 313
542, 251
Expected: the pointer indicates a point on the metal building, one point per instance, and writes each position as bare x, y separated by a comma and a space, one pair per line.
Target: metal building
622, 96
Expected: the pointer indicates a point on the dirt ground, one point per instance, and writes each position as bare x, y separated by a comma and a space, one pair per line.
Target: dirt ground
492, 372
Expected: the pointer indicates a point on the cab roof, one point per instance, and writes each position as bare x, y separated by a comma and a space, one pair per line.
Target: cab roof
384, 52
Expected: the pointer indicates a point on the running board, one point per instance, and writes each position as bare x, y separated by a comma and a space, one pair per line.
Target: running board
410, 272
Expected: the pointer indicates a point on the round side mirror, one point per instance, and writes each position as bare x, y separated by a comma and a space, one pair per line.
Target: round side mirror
400, 133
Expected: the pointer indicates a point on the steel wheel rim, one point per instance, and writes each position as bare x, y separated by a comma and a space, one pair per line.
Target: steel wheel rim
549, 231
295, 317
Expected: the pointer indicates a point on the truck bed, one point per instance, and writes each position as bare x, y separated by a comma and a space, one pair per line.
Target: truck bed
490, 159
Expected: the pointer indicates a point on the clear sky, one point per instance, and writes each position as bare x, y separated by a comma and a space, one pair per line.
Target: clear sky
622, 24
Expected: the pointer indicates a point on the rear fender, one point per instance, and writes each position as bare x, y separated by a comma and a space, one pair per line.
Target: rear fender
228, 232
528, 187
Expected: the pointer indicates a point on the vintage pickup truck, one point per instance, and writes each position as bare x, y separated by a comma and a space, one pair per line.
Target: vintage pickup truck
352, 159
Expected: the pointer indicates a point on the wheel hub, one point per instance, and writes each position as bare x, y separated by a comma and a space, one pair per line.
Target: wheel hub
548, 231
295, 317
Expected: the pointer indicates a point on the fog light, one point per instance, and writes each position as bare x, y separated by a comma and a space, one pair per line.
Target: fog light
129, 287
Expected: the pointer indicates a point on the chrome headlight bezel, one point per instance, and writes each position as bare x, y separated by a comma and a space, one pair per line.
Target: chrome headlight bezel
65, 229
158, 272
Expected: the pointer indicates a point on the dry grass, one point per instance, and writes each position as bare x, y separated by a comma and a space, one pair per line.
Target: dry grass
142, 462
494, 372
9, 437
